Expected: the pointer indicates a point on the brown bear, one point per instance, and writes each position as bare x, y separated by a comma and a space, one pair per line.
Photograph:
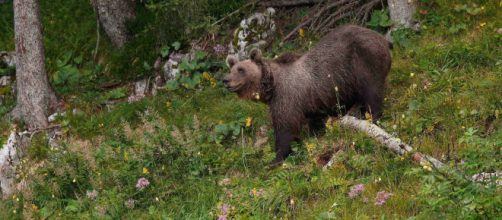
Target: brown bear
347, 68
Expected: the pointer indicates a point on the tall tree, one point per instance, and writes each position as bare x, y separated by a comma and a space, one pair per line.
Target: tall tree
113, 15
35, 98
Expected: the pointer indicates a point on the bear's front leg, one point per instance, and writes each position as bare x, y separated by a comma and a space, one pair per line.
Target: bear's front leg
283, 139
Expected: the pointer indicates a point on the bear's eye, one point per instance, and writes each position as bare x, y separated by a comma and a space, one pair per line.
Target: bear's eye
241, 71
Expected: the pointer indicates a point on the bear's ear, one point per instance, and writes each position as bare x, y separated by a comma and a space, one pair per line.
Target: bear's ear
231, 60
255, 55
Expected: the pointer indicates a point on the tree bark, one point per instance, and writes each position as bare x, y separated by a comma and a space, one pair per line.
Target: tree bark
113, 15
402, 12
35, 98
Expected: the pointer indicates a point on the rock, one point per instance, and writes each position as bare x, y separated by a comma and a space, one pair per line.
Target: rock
8, 58
54, 116
488, 177
54, 135
141, 87
499, 31
254, 31
5, 80
11, 155
77, 111
171, 69
261, 137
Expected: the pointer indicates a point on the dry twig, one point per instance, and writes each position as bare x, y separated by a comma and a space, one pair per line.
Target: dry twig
326, 14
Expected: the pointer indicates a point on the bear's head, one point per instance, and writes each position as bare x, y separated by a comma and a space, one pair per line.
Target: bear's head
245, 76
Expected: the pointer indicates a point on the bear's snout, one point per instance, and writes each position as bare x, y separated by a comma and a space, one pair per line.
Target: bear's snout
226, 83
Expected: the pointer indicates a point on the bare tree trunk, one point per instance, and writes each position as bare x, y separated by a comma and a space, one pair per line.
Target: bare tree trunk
35, 98
402, 12
113, 15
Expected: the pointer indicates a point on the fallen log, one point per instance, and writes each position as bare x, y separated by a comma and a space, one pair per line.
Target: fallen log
398, 146
392, 143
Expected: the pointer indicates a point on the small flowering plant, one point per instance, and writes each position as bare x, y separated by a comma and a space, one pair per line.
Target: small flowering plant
142, 183
382, 197
356, 190
224, 211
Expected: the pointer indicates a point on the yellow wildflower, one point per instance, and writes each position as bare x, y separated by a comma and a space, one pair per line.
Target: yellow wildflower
412, 74
126, 156
206, 76
249, 120
497, 112
329, 123
368, 116
310, 147
301, 32
428, 168
145, 170
482, 24
213, 82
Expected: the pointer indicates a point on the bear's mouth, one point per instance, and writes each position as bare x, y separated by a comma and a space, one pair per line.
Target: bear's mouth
234, 88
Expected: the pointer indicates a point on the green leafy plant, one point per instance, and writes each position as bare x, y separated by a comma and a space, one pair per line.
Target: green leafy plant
230, 130
380, 20
190, 75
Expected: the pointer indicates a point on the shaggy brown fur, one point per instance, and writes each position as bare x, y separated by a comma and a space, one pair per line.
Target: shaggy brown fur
347, 68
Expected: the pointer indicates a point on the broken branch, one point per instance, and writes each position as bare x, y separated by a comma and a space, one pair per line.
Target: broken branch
288, 3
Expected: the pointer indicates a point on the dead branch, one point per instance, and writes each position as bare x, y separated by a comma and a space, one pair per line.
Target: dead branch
365, 10
397, 146
316, 15
393, 143
288, 3
340, 14
233, 13
326, 14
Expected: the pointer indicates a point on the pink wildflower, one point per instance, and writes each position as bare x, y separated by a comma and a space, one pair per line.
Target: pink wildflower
381, 197
219, 49
130, 203
225, 182
356, 190
92, 195
142, 183
224, 212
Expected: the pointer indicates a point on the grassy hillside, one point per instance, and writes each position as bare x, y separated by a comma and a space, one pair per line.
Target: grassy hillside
196, 147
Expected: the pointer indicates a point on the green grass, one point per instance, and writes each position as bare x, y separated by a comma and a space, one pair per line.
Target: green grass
194, 147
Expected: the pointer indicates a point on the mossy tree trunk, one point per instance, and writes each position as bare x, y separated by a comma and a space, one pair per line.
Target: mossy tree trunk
35, 98
113, 15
